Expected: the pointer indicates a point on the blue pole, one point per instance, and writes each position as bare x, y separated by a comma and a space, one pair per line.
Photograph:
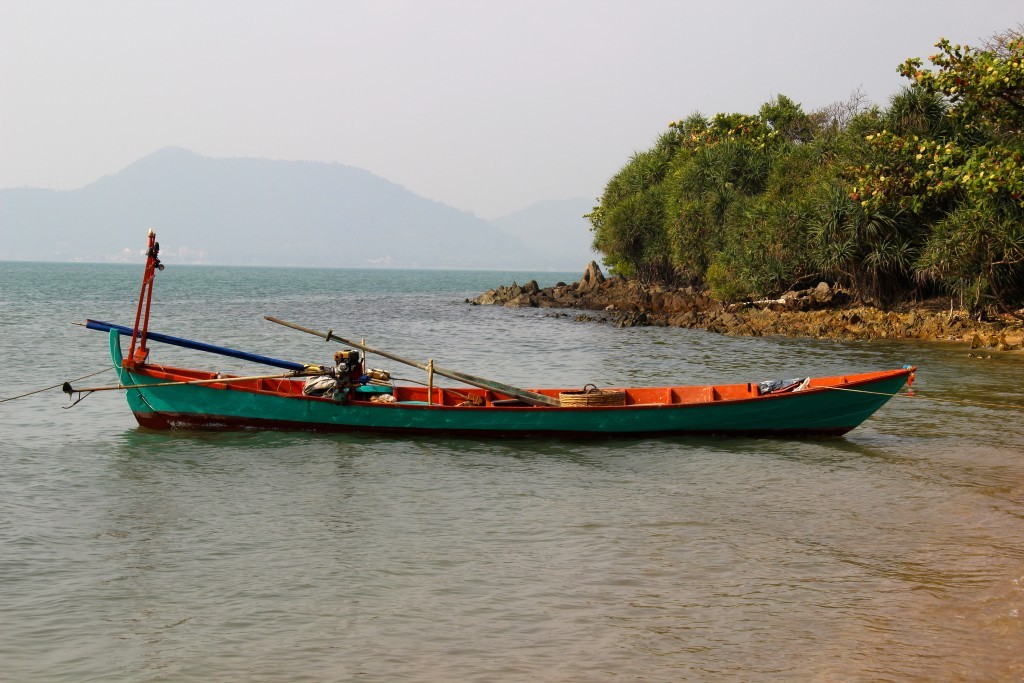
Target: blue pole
198, 346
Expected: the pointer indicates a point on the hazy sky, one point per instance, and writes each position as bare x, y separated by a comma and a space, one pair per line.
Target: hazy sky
485, 106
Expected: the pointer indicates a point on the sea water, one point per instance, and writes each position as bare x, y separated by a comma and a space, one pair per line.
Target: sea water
893, 553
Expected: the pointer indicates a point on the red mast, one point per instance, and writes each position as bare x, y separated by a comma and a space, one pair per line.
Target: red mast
141, 353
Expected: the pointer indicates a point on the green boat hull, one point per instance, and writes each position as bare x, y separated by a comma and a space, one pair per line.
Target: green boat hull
217, 406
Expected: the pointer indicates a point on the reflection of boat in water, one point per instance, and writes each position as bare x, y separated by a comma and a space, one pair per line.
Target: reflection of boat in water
355, 398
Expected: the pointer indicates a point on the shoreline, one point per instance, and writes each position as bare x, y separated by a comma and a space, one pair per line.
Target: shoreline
820, 312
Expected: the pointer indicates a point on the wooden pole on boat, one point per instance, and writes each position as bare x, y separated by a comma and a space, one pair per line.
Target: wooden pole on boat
525, 395
430, 382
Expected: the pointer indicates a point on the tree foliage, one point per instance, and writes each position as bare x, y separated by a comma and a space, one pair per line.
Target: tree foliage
962, 169
922, 197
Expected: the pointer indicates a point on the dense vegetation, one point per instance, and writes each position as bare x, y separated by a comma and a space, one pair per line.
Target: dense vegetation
922, 198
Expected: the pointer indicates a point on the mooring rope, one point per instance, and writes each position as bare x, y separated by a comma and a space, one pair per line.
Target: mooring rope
39, 391
915, 394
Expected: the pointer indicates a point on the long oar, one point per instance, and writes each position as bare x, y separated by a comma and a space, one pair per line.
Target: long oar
530, 397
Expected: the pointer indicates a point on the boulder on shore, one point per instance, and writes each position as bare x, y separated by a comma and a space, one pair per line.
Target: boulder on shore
592, 278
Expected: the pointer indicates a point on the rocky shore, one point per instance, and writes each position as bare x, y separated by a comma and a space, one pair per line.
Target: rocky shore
821, 312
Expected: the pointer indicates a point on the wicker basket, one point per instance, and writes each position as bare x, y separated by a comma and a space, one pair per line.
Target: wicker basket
590, 396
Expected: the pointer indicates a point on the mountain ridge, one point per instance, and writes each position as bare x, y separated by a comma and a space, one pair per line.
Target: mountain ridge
246, 211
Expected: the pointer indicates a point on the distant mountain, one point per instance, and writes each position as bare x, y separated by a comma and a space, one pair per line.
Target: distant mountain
255, 212
557, 227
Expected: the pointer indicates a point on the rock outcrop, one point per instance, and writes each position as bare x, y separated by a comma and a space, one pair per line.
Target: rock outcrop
822, 311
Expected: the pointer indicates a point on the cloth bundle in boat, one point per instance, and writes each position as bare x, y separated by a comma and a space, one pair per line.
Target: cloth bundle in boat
321, 385
779, 386
590, 396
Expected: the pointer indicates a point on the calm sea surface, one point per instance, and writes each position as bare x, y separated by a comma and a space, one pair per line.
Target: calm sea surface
894, 553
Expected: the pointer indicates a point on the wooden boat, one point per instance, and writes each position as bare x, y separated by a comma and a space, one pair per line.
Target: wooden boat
164, 397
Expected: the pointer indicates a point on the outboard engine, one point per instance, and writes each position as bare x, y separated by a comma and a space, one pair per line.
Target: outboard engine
348, 366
